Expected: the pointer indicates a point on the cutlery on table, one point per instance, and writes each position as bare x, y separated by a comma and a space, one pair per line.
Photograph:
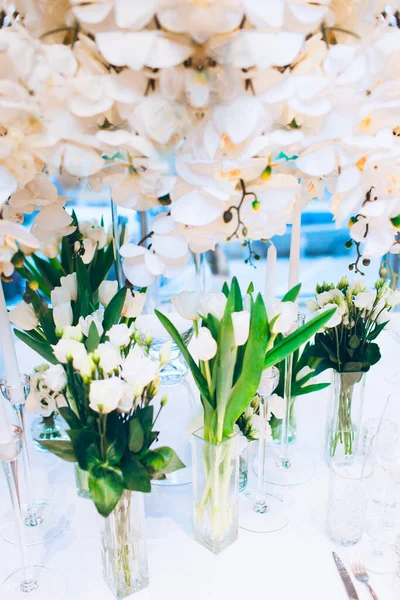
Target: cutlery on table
360, 572
345, 575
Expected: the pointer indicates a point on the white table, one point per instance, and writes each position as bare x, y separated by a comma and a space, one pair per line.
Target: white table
294, 563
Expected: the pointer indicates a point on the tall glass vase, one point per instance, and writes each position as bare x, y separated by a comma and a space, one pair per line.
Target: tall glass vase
51, 428
215, 470
123, 546
345, 414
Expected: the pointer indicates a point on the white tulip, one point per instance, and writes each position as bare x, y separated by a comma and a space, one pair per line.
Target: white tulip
109, 357
285, 315
119, 335
66, 350
204, 347
365, 300
96, 318
72, 332
55, 378
107, 291
105, 394
84, 363
63, 317
60, 295
213, 303
241, 326
134, 304
69, 283
187, 304
139, 370
24, 316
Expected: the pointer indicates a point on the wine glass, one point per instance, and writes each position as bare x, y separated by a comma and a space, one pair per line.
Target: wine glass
259, 511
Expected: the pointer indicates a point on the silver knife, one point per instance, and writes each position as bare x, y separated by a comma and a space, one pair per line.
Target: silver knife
344, 574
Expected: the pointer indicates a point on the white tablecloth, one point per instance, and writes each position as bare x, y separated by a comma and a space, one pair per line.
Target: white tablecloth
294, 563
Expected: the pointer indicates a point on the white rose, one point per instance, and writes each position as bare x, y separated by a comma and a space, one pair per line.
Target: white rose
107, 291
96, 318
365, 300
133, 304
119, 335
331, 296
283, 315
312, 305
204, 347
241, 326
73, 332
24, 316
384, 317
105, 394
109, 357
139, 370
66, 350
85, 365
392, 298
56, 378
213, 303
335, 319
126, 403
187, 304
69, 283
357, 287
60, 295
63, 317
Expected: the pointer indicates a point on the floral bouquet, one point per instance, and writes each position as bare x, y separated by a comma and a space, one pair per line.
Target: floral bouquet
234, 343
101, 368
347, 346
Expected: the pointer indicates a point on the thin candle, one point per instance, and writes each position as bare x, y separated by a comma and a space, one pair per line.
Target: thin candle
294, 264
270, 276
7, 348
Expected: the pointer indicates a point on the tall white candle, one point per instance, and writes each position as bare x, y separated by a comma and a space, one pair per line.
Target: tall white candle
9, 354
294, 264
270, 277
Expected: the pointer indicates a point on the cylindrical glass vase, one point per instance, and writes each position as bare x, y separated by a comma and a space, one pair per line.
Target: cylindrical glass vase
345, 414
50, 428
123, 546
243, 463
82, 482
347, 500
215, 470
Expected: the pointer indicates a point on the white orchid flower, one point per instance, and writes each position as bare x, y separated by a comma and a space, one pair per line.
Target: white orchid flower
96, 318
108, 356
69, 282
187, 304
283, 316
213, 303
55, 378
62, 316
119, 335
24, 316
241, 326
204, 347
105, 394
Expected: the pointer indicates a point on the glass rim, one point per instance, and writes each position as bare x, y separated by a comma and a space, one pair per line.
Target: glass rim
196, 433
25, 380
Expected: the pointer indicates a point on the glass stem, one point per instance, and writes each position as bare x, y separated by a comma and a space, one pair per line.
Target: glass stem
28, 583
200, 265
260, 504
33, 518
116, 243
283, 460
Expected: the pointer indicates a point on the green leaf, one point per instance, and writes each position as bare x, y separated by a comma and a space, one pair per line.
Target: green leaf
136, 435
104, 263
62, 448
376, 331
246, 386
373, 354
136, 476
67, 255
225, 289
106, 485
116, 438
42, 348
354, 342
250, 289
82, 276
199, 379
296, 339
47, 270
172, 462
70, 417
309, 389
93, 339
292, 295
112, 314
86, 447
45, 316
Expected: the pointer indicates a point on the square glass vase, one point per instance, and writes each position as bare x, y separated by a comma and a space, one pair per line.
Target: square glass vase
123, 546
215, 470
